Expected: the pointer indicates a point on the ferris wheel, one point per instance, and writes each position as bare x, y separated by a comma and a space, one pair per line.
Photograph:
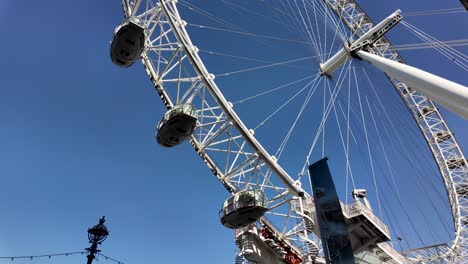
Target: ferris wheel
270, 205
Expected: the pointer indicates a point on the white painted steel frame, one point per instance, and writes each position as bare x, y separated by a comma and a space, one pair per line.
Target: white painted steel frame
447, 152
226, 145
220, 130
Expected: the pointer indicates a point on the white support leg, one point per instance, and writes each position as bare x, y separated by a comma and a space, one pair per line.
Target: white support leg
451, 95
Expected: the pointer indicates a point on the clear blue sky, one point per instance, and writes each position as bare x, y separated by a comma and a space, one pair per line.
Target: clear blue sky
77, 133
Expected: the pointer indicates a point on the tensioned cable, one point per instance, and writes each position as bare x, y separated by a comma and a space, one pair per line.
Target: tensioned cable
419, 178
335, 21
313, 35
323, 112
410, 125
395, 232
349, 171
285, 103
391, 171
435, 42
247, 33
285, 13
248, 58
272, 90
300, 25
400, 200
304, 105
435, 12
348, 121
228, 3
407, 127
262, 67
330, 20
333, 96
402, 145
367, 141
444, 49
449, 52
219, 20
424, 45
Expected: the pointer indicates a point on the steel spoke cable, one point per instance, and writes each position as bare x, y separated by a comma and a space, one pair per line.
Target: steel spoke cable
253, 12
312, 36
392, 228
301, 26
435, 12
246, 33
349, 172
262, 67
391, 171
335, 28
283, 144
272, 90
348, 120
335, 21
284, 104
424, 45
440, 45
285, 11
315, 35
400, 111
250, 59
449, 52
409, 125
232, 27
403, 146
405, 153
424, 190
367, 142
323, 112
407, 159
329, 19
339, 83
316, 12
345, 69
401, 204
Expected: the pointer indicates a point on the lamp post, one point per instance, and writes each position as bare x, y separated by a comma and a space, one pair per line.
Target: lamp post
96, 235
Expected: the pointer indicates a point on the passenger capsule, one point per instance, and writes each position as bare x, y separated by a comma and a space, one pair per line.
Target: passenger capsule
243, 208
128, 42
177, 124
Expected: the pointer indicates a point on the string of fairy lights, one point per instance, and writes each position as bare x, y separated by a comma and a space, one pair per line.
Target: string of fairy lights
50, 256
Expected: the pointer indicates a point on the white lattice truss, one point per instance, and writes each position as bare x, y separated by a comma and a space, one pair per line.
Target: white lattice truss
230, 149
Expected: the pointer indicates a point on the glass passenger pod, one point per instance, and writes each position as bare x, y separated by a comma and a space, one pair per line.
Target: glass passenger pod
128, 42
177, 124
465, 4
243, 208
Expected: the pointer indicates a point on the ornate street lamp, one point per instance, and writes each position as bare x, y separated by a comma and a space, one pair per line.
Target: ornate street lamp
96, 235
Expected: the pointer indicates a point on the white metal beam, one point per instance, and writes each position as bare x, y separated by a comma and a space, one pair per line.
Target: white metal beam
451, 95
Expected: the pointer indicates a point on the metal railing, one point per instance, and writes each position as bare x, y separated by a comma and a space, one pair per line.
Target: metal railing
357, 208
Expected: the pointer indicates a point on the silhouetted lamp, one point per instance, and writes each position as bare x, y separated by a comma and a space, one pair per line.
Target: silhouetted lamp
96, 235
